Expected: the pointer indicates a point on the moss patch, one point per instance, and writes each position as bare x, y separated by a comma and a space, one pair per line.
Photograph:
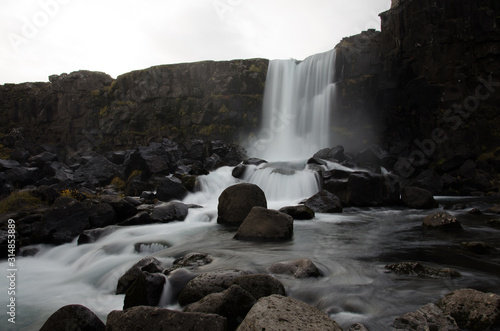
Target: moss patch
18, 201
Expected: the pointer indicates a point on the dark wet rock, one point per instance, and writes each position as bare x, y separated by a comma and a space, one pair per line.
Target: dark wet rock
494, 223
300, 212
418, 198
239, 171
478, 247
276, 312
494, 209
122, 207
157, 158
141, 218
147, 264
254, 161
472, 309
148, 197
263, 224
207, 283
169, 212
101, 215
73, 317
146, 290
474, 211
363, 188
8, 164
233, 304
159, 319
260, 285
190, 261
429, 180
236, 201
65, 221
171, 189
420, 270
324, 202
97, 171
92, 235
442, 221
46, 193
22, 176
335, 154
136, 187
299, 268
428, 317
357, 327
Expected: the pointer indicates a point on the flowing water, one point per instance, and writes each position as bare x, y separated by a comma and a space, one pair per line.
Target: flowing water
351, 249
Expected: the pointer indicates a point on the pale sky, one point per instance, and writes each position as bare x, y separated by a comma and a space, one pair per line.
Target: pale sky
39, 38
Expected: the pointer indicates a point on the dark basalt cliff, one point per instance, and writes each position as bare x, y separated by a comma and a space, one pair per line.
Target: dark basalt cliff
425, 88
213, 100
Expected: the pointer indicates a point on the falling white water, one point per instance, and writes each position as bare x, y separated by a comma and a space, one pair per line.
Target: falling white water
298, 100
284, 180
167, 294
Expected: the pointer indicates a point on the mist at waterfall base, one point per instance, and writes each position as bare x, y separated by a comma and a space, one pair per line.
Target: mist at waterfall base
350, 249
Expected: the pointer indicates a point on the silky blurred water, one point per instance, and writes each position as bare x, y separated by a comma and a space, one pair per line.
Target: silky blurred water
351, 250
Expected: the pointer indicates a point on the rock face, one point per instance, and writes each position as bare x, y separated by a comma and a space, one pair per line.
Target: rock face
428, 317
158, 319
233, 304
442, 221
73, 317
181, 101
276, 312
263, 224
300, 268
418, 198
471, 309
207, 283
236, 202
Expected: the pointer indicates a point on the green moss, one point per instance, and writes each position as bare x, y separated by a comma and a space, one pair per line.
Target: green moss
223, 110
118, 183
5, 152
254, 68
134, 174
19, 201
95, 93
103, 111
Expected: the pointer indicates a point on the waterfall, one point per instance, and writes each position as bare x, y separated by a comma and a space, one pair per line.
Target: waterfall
166, 295
298, 100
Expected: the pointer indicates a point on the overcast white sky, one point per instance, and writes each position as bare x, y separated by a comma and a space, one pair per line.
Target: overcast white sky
43, 37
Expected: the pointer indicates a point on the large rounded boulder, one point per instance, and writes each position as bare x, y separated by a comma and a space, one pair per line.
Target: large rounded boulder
264, 224
236, 202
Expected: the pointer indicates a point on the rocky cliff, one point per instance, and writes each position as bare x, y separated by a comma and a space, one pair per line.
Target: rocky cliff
425, 89
90, 110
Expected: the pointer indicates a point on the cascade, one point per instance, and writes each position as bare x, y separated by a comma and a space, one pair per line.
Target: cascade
298, 100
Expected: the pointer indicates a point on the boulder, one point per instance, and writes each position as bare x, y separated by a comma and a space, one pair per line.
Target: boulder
147, 264
478, 247
157, 158
236, 201
169, 212
260, 285
494, 223
494, 209
442, 221
136, 187
324, 202
428, 317
141, 218
300, 212
73, 317
418, 198
334, 154
420, 270
190, 261
97, 171
265, 224
101, 215
65, 221
276, 312
146, 290
122, 207
357, 327
92, 235
239, 171
171, 189
159, 319
299, 268
207, 283
233, 304
472, 309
